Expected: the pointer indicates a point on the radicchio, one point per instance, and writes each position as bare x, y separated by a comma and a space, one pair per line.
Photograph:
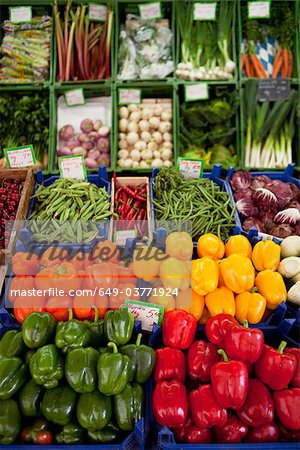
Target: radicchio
267, 219
282, 191
293, 204
245, 207
295, 190
241, 180
243, 194
265, 200
290, 216
282, 231
260, 181
253, 222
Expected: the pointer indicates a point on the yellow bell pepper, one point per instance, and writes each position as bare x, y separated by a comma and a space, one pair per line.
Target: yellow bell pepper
220, 301
160, 297
210, 245
175, 274
146, 262
266, 255
190, 302
238, 244
179, 245
205, 275
205, 316
237, 273
270, 285
250, 306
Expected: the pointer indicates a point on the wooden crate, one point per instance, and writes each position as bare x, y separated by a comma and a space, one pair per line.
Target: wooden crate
26, 175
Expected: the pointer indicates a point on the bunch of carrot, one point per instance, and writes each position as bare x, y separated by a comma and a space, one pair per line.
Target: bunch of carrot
83, 46
283, 63
252, 66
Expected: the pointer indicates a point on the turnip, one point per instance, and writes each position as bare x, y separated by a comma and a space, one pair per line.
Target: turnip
133, 126
66, 133
72, 143
103, 145
79, 151
104, 131
123, 144
97, 124
103, 160
94, 154
93, 136
88, 145
90, 163
144, 125
86, 126
64, 151
132, 138
83, 137
123, 154
123, 124
123, 112
146, 136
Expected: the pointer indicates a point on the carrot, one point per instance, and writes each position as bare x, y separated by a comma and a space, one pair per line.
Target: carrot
285, 63
244, 57
256, 68
277, 67
277, 57
262, 69
290, 65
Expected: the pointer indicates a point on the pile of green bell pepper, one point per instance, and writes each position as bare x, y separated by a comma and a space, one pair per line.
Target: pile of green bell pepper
82, 381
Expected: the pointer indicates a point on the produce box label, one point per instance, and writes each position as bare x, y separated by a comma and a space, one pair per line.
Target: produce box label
75, 97
198, 91
72, 167
127, 96
272, 90
150, 11
259, 10
121, 236
190, 168
205, 11
20, 14
97, 13
20, 157
147, 313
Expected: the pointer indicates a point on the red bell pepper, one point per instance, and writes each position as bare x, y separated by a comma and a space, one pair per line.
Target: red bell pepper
287, 408
229, 380
243, 343
288, 435
216, 328
274, 368
178, 329
170, 365
258, 408
204, 408
179, 433
232, 432
265, 433
295, 381
170, 403
201, 357
196, 435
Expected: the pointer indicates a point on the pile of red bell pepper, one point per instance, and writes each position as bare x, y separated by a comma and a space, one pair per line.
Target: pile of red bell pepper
228, 388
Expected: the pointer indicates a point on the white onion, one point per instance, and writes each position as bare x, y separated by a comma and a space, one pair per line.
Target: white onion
152, 146
168, 145
167, 137
146, 136
147, 113
167, 164
165, 127
121, 162
123, 112
135, 116
135, 155
140, 145
132, 107
123, 124
123, 154
128, 163
122, 136
157, 162
146, 154
135, 164
154, 122
157, 137
166, 116
133, 126
132, 138
144, 165
166, 154
144, 125
158, 111
123, 144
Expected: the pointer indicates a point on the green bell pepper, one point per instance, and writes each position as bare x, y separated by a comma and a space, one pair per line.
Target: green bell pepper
58, 404
142, 360
102, 350
104, 436
47, 366
11, 344
81, 369
94, 410
38, 329
113, 371
97, 329
28, 355
30, 398
129, 406
10, 421
71, 434
118, 326
72, 334
13, 374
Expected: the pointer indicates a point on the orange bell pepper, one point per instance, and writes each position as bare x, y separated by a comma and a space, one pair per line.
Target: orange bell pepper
190, 302
237, 273
205, 275
266, 255
175, 273
25, 263
270, 285
220, 301
250, 306
210, 245
179, 245
238, 244
146, 262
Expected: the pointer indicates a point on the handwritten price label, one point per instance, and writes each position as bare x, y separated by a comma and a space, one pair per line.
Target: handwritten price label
75, 97
97, 13
198, 91
20, 157
205, 11
20, 14
129, 96
147, 313
72, 167
122, 235
259, 10
150, 11
190, 168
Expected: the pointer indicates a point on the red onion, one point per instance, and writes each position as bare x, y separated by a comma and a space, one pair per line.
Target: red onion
66, 133
241, 180
64, 151
86, 126
290, 216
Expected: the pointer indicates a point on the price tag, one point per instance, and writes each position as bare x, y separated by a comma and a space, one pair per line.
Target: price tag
190, 168
72, 167
193, 92
272, 90
20, 14
150, 11
205, 11
75, 97
20, 157
259, 10
147, 313
97, 13
3, 270
129, 96
121, 236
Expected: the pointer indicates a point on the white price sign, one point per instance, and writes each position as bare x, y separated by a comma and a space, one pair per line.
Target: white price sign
147, 313
259, 10
20, 14
72, 167
20, 156
75, 97
190, 168
122, 235
205, 11
97, 13
198, 91
150, 11
129, 96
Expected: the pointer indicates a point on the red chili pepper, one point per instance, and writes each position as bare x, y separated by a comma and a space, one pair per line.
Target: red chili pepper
229, 380
201, 357
131, 213
288, 435
204, 408
216, 328
141, 214
232, 432
287, 408
295, 381
134, 194
258, 408
264, 434
170, 365
125, 211
178, 329
196, 435
143, 190
170, 403
243, 343
118, 193
274, 368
